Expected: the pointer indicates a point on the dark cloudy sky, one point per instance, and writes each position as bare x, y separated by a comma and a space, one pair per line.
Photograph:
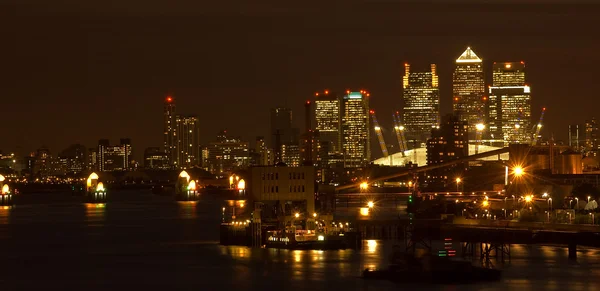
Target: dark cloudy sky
76, 71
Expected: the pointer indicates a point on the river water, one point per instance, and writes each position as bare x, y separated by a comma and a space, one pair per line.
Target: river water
138, 241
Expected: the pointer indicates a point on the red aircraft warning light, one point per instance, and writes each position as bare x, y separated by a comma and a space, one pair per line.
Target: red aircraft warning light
169, 99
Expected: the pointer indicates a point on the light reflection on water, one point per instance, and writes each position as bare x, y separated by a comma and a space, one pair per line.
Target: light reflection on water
530, 267
153, 239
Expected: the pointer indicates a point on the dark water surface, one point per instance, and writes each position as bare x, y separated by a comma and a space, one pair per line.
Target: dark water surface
140, 241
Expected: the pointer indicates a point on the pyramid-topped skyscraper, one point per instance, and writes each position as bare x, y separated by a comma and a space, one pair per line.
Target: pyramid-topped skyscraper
468, 86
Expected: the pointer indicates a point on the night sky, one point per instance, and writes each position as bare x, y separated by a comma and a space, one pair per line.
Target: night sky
77, 71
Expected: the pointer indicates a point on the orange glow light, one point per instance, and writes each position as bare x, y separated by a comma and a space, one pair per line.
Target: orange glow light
326, 91
372, 111
169, 99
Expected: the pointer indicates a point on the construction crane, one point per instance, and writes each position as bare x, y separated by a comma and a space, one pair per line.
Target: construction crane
379, 135
399, 130
537, 128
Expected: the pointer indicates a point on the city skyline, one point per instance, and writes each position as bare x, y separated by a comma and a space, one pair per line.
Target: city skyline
120, 86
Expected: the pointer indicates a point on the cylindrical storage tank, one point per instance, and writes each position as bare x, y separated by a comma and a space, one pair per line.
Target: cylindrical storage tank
538, 162
569, 162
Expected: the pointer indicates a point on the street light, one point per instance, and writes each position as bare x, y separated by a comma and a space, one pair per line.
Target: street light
518, 171
297, 215
549, 203
528, 198
485, 203
458, 180
370, 204
576, 203
589, 198
480, 126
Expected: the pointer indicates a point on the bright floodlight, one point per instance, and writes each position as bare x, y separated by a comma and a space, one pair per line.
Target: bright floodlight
485, 203
314, 215
517, 126
370, 204
528, 198
480, 126
458, 180
364, 186
241, 184
364, 211
397, 127
93, 176
184, 174
100, 187
297, 215
518, 171
401, 127
539, 125
2, 178
377, 128
192, 185
5, 189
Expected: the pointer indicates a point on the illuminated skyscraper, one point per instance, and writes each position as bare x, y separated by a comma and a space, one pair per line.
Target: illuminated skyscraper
74, 158
421, 104
155, 159
328, 119
591, 135
468, 89
114, 158
510, 104
188, 141
170, 130
227, 154
356, 134
576, 137
282, 132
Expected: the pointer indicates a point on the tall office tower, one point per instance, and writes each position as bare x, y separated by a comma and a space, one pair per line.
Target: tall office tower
103, 145
448, 142
421, 104
170, 130
356, 134
155, 159
74, 158
114, 158
188, 141
92, 159
227, 154
591, 135
265, 155
328, 119
509, 105
282, 132
576, 140
43, 163
468, 87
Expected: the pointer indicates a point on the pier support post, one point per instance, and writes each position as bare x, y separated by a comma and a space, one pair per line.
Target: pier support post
572, 251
